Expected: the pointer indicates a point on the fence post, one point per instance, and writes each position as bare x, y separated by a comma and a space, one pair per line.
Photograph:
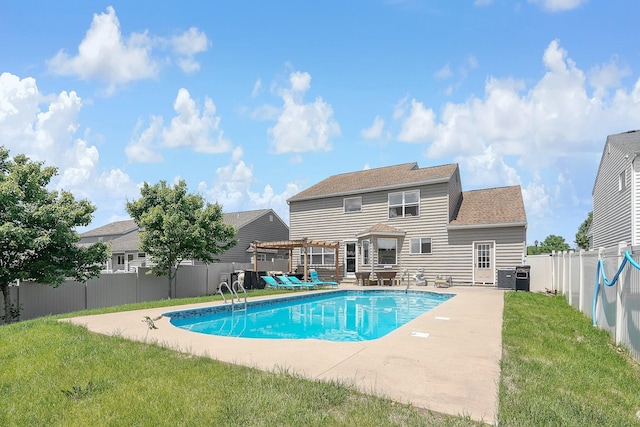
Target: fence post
619, 301
581, 281
568, 275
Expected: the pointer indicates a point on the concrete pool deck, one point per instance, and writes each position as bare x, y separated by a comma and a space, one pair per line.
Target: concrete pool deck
447, 360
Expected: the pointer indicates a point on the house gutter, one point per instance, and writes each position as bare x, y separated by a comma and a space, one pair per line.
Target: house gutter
476, 226
357, 191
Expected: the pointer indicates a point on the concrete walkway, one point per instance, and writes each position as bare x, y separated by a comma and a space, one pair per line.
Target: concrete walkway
447, 360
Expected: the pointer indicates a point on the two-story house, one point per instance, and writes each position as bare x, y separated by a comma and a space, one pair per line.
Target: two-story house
261, 224
404, 217
616, 193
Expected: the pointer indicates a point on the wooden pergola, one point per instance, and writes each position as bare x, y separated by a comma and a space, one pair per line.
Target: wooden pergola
290, 245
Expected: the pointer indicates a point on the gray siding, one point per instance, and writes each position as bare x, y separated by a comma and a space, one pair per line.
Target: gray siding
510, 249
452, 251
266, 228
612, 207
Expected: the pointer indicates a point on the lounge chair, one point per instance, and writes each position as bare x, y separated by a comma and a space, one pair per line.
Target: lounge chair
316, 280
273, 283
295, 280
286, 281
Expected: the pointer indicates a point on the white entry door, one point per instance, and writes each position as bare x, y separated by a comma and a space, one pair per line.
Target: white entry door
483, 263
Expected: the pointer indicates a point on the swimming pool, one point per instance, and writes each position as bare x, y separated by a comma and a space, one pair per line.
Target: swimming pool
345, 315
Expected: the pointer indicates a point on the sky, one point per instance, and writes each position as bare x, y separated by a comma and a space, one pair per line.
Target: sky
251, 102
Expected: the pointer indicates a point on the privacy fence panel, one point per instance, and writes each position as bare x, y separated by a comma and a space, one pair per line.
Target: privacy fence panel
112, 289
191, 282
589, 265
630, 320
41, 300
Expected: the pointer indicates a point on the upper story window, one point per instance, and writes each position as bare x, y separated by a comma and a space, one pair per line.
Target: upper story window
353, 204
421, 245
404, 204
622, 181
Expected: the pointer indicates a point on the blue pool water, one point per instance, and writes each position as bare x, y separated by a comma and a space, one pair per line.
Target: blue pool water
332, 316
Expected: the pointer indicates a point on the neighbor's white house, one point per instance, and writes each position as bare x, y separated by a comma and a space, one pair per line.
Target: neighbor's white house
404, 217
616, 193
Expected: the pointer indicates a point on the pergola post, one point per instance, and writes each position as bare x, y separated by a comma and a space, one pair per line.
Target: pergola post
255, 257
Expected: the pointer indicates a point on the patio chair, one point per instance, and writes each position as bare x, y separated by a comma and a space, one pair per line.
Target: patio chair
274, 284
420, 277
294, 279
313, 274
286, 281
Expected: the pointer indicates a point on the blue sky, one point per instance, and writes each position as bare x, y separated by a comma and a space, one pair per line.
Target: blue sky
251, 102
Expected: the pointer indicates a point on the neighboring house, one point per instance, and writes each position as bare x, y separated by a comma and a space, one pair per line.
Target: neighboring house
616, 193
405, 217
123, 237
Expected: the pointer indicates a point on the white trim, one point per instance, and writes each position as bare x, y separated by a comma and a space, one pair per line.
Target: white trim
473, 259
496, 225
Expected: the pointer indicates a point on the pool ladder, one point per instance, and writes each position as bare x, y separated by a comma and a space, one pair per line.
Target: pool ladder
234, 294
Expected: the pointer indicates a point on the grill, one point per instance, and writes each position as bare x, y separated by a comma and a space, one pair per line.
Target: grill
523, 278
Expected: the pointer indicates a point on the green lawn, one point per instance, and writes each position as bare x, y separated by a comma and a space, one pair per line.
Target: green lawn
556, 370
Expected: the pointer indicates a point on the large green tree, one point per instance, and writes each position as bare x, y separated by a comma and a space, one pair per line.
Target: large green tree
177, 226
582, 237
553, 243
38, 229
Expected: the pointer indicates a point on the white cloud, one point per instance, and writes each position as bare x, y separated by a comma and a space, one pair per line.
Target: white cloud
537, 198
558, 5
556, 116
106, 55
489, 169
232, 189
48, 134
375, 131
187, 45
190, 127
444, 72
257, 88
607, 76
303, 127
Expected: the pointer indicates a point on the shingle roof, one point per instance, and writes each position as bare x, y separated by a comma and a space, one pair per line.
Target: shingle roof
128, 242
381, 228
376, 179
118, 227
503, 205
239, 219
627, 141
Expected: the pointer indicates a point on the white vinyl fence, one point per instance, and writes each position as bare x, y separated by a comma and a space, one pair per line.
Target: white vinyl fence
111, 289
573, 274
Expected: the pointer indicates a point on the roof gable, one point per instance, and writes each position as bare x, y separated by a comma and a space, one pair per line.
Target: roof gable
627, 142
376, 179
493, 206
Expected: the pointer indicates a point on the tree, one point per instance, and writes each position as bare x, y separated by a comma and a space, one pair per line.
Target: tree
582, 238
553, 243
176, 226
38, 230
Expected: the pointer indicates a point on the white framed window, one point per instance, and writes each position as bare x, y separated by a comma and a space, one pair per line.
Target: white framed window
404, 204
319, 256
387, 251
352, 204
365, 254
420, 245
622, 181
120, 260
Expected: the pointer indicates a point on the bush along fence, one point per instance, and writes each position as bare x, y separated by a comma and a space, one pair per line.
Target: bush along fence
33, 300
583, 278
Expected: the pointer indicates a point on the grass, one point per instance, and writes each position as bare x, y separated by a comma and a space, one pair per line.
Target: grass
557, 370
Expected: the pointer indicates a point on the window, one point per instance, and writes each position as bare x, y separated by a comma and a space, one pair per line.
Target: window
622, 181
141, 255
387, 251
421, 245
129, 257
484, 256
365, 253
319, 256
120, 260
404, 204
353, 204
